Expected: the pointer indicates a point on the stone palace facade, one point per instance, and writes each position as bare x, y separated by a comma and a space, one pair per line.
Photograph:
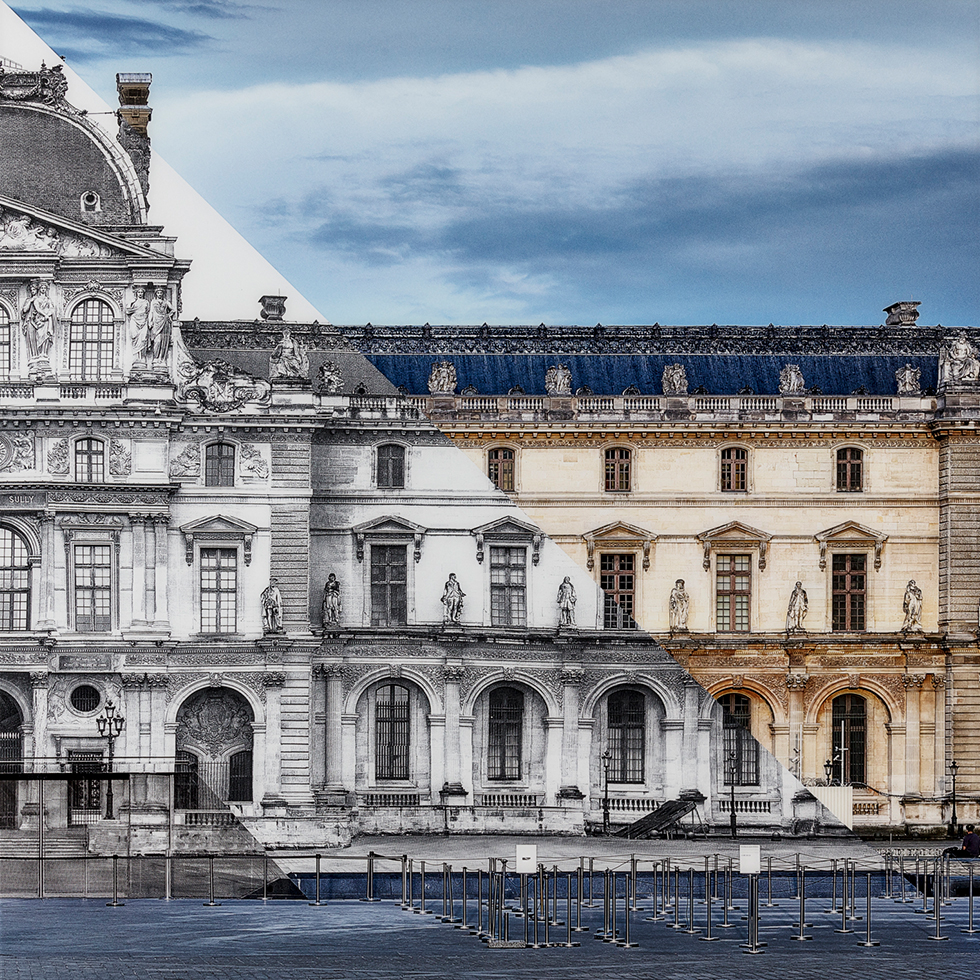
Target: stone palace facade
312, 613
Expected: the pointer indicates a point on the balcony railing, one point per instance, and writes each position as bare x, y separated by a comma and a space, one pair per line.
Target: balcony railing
513, 800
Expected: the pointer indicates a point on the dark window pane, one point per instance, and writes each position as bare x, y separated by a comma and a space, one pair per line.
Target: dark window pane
508, 586
219, 465
617, 471
734, 470
15, 582
849, 713
741, 749
627, 736
240, 777
849, 470
618, 582
389, 585
391, 467
505, 734
733, 592
219, 590
392, 732
93, 588
500, 468
849, 581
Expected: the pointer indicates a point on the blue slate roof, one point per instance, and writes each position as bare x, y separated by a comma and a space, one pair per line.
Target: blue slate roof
610, 374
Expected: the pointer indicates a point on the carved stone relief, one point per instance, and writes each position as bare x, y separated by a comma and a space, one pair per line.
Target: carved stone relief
791, 380
252, 463
558, 380
187, 462
674, 380
58, 458
214, 719
120, 458
442, 378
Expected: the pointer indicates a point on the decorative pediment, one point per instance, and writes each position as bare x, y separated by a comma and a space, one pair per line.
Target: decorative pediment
850, 534
621, 534
24, 228
389, 527
735, 533
508, 529
218, 529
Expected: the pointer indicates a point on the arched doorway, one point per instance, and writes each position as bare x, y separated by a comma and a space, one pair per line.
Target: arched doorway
213, 761
11, 758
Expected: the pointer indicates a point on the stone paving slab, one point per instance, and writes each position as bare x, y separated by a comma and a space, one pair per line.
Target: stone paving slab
182, 940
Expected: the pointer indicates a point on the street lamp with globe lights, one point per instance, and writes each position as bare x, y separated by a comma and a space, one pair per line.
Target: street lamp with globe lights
110, 727
606, 760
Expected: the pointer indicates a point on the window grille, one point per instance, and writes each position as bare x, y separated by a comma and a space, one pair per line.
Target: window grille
15, 582
508, 586
627, 736
741, 749
389, 585
849, 713
391, 732
618, 581
506, 728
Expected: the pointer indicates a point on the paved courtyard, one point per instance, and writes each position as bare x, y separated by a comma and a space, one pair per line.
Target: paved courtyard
289, 940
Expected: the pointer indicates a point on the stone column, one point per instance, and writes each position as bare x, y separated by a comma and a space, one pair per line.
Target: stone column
913, 687
334, 728
571, 679
452, 674
795, 690
689, 748
161, 614
272, 795
133, 709
939, 740
318, 722
138, 527
47, 574
39, 691
159, 754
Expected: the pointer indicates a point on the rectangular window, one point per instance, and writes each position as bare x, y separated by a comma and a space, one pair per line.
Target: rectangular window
500, 468
219, 465
219, 590
389, 585
627, 733
89, 461
733, 592
93, 588
505, 734
849, 593
735, 470
4, 342
617, 579
392, 732
508, 586
391, 467
849, 466
617, 474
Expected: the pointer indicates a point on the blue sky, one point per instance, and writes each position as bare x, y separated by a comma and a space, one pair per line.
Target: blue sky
582, 161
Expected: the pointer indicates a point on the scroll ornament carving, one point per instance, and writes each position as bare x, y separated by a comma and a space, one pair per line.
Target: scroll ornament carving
47, 86
58, 458
217, 386
453, 673
16, 452
276, 678
120, 458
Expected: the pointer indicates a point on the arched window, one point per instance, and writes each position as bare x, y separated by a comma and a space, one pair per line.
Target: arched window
741, 749
627, 736
849, 716
500, 468
850, 470
219, 465
15, 582
506, 734
734, 470
391, 467
5, 361
617, 469
91, 340
391, 732
11, 760
89, 461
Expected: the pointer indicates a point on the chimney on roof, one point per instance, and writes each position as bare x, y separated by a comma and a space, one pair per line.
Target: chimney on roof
134, 115
902, 314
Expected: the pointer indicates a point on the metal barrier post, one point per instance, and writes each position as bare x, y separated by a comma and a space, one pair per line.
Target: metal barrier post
970, 928
802, 890
602, 933
555, 921
579, 887
731, 891
591, 904
461, 922
422, 910
533, 905
115, 903
613, 935
868, 941
265, 877
211, 902
901, 878
443, 917
369, 896
404, 881
726, 900
753, 945
411, 885
769, 904
167, 876
937, 905
504, 912
843, 902
317, 903
690, 903
479, 902
568, 943
707, 937
854, 917
833, 887
797, 895
452, 905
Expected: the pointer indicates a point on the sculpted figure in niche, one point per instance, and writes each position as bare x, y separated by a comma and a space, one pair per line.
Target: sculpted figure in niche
907, 380
332, 606
566, 603
791, 380
272, 608
139, 323
796, 613
680, 604
37, 321
958, 363
558, 380
442, 378
289, 359
331, 377
674, 380
161, 321
452, 600
912, 607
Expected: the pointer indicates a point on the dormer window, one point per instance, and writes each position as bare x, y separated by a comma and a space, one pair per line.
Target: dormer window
89, 461
90, 202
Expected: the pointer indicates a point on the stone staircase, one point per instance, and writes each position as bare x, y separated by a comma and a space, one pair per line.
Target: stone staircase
22, 844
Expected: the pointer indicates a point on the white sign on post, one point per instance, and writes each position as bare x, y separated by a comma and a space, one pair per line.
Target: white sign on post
750, 859
527, 859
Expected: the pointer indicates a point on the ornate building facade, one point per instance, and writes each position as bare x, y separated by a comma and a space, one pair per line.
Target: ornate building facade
791, 512
309, 613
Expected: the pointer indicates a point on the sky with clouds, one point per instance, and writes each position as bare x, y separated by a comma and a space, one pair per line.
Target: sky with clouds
571, 161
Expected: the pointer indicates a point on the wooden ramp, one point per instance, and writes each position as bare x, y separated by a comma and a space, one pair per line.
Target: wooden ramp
665, 819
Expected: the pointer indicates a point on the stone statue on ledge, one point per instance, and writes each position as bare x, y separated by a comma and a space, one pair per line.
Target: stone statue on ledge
289, 358
566, 602
442, 378
332, 605
907, 380
791, 380
674, 380
796, 613
912, 607
958, 363
680, 604
272, 608
452, 601
37, 323
558, 380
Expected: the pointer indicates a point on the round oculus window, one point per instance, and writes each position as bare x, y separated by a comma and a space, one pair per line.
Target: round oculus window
85, 698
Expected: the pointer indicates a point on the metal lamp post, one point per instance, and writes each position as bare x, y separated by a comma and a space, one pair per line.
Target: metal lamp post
110, 726
606, 760
828, 769
733, 772
953, 768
